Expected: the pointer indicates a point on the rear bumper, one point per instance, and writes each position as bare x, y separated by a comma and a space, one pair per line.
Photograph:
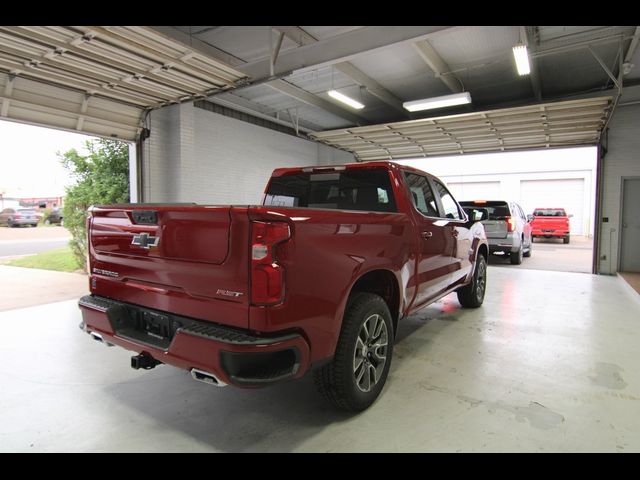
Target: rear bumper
507, 244
234, 356
24, 221
549, 233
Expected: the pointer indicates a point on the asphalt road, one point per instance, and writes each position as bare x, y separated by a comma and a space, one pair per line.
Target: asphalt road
16, 242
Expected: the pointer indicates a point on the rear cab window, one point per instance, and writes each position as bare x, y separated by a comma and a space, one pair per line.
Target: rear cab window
498, 210
356, 189
550, 212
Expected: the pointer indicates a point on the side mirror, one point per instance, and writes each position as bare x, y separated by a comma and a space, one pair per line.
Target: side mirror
570, 215
530, 218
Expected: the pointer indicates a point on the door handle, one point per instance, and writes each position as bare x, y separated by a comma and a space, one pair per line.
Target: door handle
426, 234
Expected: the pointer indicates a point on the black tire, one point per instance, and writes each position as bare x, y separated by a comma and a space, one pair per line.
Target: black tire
566, 239
528, 252
472, 295
337, 381
516, 257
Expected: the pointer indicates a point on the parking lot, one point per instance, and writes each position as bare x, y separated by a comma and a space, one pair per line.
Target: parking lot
16, 242
552, 254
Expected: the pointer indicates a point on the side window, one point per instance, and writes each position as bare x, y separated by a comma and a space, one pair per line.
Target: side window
422, 194
522, 215
450, 206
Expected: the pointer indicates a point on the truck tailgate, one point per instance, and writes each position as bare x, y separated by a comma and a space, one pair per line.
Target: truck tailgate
495, 228
173, 258
550, 223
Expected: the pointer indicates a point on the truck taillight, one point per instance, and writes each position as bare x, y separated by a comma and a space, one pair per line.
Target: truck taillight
267, 276
511, 224
88, 253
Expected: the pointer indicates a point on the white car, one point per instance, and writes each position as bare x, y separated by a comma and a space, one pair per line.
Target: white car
508, 229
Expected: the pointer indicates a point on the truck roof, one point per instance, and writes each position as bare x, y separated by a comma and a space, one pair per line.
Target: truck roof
278, 172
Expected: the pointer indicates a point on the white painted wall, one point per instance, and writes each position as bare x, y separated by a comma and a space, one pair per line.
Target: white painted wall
194, 155
621, 160
503, 173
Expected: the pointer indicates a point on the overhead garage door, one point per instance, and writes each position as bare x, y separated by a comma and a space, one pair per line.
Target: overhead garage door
562, 193
474, 190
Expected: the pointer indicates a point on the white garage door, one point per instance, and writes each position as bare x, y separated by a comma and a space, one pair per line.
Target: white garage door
474, 190
563, 193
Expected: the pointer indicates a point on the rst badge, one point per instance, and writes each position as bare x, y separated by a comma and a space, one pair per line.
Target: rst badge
145, 240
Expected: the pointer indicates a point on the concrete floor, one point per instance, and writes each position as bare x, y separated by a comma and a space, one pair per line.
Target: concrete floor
549, 363
25, 287
552, 254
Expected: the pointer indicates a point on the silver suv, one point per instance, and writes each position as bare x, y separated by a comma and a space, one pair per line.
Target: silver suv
507, 228
15, 217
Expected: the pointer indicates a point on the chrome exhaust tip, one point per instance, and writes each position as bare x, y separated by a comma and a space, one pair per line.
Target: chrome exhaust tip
98, 338
206, 377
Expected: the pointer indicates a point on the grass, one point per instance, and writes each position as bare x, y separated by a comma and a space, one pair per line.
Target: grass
59, 259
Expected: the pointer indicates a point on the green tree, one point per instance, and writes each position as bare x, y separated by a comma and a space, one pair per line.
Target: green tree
101, 177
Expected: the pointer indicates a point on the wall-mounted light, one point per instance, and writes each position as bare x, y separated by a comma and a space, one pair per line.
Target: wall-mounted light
522, 59
438, 102
344, 99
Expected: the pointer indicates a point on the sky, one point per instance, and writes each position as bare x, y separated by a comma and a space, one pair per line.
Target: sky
29, 166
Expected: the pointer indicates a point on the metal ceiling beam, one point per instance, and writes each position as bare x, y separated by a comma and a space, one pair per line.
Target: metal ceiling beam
615, 80
299, 36
340, 48
232, 100
311, 99
197, 44
528, 35
6, 101
633, 45
437, 64
251, 111
373, 87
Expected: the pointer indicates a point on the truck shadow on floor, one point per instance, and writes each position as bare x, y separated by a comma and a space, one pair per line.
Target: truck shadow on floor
275, 419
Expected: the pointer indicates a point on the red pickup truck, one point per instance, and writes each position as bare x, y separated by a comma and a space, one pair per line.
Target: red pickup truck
550, 223
318, 275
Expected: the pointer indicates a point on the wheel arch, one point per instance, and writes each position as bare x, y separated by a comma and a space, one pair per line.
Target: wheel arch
385, 284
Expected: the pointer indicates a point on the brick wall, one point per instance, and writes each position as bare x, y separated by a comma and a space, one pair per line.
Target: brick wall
194, 155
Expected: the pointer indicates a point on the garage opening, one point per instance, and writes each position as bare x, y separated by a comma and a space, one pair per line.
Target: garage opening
552, 184
39, 218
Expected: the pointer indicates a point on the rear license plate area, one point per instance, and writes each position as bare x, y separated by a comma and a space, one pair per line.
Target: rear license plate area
147, 326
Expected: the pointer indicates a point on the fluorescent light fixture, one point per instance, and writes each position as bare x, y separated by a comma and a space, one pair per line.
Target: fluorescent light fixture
522, 59
344, 99
438, 102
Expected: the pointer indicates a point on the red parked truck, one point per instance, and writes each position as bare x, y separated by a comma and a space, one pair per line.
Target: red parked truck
317, 276
551, 223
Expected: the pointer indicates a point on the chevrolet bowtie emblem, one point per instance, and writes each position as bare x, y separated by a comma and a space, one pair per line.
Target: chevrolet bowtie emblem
145, 240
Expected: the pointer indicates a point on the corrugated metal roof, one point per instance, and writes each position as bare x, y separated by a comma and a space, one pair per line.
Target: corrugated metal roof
558, 124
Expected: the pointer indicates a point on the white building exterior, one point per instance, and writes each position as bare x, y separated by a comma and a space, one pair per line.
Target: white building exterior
546, 178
